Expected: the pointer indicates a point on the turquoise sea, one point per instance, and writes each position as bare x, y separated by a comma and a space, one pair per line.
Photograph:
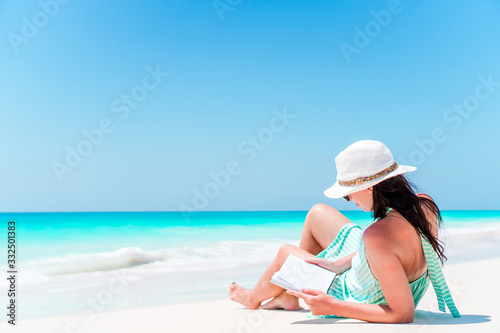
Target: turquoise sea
81, 262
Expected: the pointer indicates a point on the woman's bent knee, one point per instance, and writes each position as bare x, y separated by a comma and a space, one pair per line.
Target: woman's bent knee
322, 210
286, 249
324, 222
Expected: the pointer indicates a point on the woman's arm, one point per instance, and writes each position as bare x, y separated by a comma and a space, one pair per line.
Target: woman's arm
389, 272
322, 304
338, 266
380, 251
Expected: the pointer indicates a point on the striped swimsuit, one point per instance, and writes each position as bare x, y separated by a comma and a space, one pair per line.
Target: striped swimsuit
358, 285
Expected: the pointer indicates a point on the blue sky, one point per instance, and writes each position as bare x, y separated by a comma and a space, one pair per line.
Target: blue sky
239, 105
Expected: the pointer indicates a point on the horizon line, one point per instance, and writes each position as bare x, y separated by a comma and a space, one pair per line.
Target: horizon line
216, 211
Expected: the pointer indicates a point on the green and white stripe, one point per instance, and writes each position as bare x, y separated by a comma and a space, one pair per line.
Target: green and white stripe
438, 282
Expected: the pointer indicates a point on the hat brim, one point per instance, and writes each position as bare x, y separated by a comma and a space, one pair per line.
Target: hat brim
338, 191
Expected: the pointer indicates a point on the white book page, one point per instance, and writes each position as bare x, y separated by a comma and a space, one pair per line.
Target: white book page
283, 284
300, 274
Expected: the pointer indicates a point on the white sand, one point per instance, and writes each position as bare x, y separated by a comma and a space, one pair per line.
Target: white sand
474, 286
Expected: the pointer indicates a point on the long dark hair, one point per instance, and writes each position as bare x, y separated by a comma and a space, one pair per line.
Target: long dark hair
398, 193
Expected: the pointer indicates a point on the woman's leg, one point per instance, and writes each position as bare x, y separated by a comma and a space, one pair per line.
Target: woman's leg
264, 289
320, 228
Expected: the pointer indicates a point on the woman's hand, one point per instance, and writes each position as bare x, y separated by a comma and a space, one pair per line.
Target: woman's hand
319, 303
333, 266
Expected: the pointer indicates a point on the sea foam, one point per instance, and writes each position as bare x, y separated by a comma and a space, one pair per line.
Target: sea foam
211, 256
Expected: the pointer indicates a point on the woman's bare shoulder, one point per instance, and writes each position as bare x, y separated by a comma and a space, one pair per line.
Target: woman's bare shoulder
430, 214
423, 195
383, 231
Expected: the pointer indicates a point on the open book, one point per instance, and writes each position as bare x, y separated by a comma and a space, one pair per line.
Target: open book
296, 274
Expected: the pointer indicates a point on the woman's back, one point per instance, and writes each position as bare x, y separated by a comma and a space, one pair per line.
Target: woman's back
403, 240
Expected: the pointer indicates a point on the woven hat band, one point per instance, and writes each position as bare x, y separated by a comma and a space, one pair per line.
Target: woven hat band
362, 180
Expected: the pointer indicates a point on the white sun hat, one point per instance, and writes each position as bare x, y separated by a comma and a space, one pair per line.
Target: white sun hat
364, 164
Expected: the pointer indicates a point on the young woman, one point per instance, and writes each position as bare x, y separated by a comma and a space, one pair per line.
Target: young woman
383, 272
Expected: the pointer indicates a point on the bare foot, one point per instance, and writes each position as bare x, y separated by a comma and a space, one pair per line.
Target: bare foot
283, 301
239, 294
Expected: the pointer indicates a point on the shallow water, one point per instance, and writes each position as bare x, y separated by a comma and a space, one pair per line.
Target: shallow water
67, 261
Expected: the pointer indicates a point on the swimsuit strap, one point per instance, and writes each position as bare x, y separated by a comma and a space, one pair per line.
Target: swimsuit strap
437, 278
